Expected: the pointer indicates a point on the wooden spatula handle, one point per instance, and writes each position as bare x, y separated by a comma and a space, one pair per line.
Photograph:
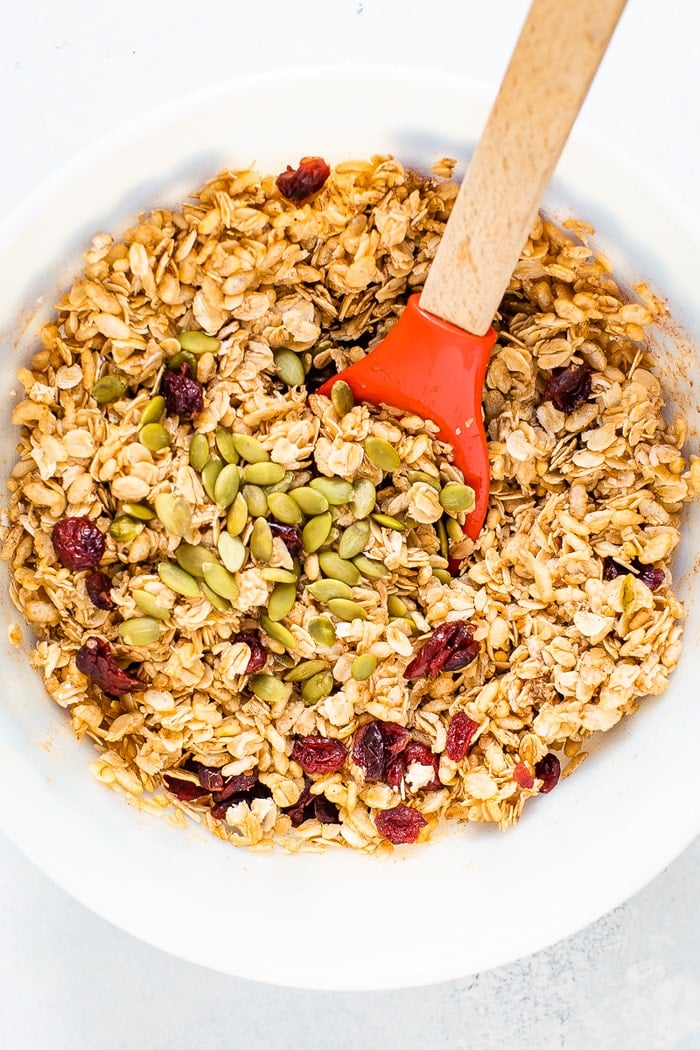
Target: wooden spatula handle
554, 62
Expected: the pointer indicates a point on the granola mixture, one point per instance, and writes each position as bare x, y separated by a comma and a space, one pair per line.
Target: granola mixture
258, 602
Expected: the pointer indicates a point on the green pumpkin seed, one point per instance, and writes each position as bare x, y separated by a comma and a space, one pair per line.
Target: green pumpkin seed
281, 600
454, 530
142, 630
305, 669
324, 590
289, 367
178, 580
354, 539
336, 490
395, 606
198, 342
173, 512
316, 532
263, 473
154, 437
231, 551
341, 398
139, 510
226, 445
261, 541
199, 452
285, 660
382, 454
275, 574
317, 688
109, 388
363, 667
192, 558
183, 357
369, 567
442, 537
281, 486
256, 500
220, 580
210, 472
226, 486
346, 610
250, 449
124, 529
415, 476
149, 604
278, 632
364, 497
237, 516
284, 508
309, 501
322, 631
153, 412
338, 568
214, 599
442, 575
388, 522
455, 498
268, 688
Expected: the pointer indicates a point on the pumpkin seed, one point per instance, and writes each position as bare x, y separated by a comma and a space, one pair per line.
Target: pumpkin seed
149, 604
274, 574
388, 522
139, 510
183, 357
285, 659
153, 412
261, 541
305, 669
250, 449
442, 537
316, 532
382, 454
338, 568
307, 360
281, 486
210, 472
415, 476
395, 606
341, 398
225, 444
322, 631
455, 498
237, 516
284, 508
374, 570
363, 667
442, 575
198, 342
109, 388
268, 688
142, 630
192, 558
346, 610
354, 539
364, 497
281, 600
289, 367
231, 551
154, 437
220, 580
336, 490
174, 513
317, 688
124, 529
324, 590
214, 599
454, 530
256, 500
308, 500
278, 632
263, 473
178, 580
226, 486
199, 452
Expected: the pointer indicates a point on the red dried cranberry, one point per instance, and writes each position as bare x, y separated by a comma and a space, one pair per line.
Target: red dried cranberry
78, 543
98, 585
319, 754
210, 777
95, 659
450, 647
460, 734
652, 576
395, 772
325, 811
308, 807
611, 569
258, 655
290, 536
400, 824
296, 184
185, 790
548, 770
421, 754
236, 786
453, 566
567, 388
523, 776
223, 800
183, 395
368, 751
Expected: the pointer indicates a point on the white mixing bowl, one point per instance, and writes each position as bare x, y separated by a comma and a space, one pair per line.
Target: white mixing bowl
470, 900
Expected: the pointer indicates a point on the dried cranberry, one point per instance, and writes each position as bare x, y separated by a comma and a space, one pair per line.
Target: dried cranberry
185, 790
368, 751
296, 184
98, 585
223, 800
78, 543
400, 824
395, 772
611, 569
210, 777
308, 807
567, 388
460, 734
290, 536
450, 647
183, 395
236, 786
548, 770
325, 811
319, 754
258, 655
421, 754
454, 565
96, 660
652, 575
523, 776
395, 738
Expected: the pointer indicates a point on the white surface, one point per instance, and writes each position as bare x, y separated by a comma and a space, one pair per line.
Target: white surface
70, 76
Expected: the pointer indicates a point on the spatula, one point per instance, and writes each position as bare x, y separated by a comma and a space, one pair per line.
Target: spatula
433, 362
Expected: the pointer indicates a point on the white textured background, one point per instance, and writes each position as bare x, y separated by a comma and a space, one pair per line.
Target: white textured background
68, 981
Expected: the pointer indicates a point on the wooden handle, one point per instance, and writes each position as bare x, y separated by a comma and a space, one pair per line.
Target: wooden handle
554, 62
